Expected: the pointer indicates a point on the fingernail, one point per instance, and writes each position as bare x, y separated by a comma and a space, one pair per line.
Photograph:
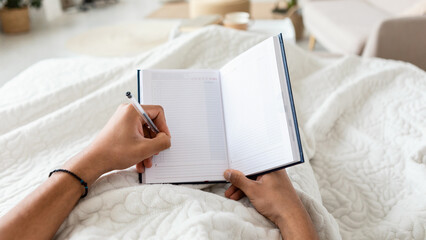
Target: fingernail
227, 175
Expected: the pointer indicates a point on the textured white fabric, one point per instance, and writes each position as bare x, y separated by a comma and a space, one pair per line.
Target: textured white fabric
362, 124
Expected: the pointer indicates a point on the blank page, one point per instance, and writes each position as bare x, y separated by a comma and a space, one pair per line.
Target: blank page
255, 120
193, 106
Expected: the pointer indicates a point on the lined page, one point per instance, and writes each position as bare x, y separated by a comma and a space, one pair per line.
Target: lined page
192, 103
256, 126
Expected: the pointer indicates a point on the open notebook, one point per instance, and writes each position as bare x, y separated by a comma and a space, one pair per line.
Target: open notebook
241, 117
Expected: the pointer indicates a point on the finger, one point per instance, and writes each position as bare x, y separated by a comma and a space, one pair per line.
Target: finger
231, 190
238, 179
237, 195
156, 113
148, 162
150, 133
146, 132
140, 168
157, 144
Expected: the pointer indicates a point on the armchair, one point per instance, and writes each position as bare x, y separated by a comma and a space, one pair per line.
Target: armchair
400, 39
371, 28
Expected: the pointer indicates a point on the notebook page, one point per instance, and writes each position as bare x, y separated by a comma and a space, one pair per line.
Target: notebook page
192, 103
255, 121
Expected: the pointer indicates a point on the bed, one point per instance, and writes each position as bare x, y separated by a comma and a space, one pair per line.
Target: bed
362, 121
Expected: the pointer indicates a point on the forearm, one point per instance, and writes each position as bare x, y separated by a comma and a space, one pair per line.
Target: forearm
40, 215
296, 223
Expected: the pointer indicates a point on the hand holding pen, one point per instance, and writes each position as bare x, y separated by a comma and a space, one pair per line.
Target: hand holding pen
152, 116
142, 112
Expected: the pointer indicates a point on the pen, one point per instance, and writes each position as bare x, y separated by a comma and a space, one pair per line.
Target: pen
142, 112
145, 117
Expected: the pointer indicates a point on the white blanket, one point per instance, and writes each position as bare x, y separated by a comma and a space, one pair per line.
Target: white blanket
363, 125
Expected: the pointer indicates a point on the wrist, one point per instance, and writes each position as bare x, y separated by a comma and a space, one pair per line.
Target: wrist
295, 223
65, 180
85, 165
287, 209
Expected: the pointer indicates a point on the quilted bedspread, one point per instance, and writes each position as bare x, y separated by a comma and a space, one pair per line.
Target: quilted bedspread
363, 127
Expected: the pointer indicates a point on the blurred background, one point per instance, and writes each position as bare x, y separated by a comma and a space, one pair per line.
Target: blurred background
33, 30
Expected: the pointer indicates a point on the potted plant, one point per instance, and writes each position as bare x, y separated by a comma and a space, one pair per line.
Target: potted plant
14, 15
283, 6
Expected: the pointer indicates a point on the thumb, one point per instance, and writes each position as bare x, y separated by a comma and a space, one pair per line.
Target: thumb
159, 143
238, 179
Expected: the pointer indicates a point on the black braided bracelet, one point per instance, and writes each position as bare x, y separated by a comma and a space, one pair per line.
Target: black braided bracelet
86, 189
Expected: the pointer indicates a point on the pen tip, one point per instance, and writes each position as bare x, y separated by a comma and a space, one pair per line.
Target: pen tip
129, 94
